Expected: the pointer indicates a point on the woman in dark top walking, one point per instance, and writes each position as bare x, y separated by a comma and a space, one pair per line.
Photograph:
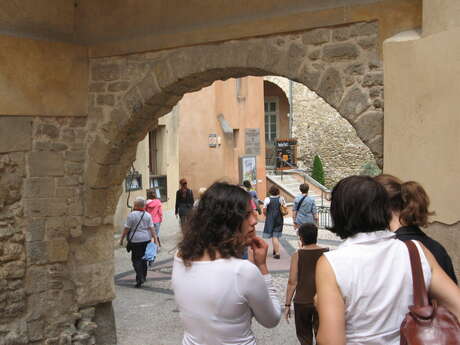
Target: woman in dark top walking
302, 282
409, 207
184, 201
273, 219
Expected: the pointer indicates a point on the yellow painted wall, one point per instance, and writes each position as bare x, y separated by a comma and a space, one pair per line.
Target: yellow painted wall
42, 78
422, 122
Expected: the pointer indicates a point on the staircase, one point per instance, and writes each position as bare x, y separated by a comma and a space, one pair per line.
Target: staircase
289, 182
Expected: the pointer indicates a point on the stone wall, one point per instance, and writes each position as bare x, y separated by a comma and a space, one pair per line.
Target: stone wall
41, 210
349, 57
321, 130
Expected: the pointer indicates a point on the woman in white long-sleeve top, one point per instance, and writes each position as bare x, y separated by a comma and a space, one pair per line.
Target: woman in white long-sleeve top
217, 292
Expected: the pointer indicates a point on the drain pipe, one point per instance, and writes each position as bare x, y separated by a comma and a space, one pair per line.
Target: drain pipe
291, 108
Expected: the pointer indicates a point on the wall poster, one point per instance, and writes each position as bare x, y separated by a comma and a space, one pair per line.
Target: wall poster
248, 169
252, 141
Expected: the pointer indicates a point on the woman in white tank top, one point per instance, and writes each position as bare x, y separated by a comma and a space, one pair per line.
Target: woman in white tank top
364, 288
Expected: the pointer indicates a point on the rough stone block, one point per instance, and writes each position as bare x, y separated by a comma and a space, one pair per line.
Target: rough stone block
48, 130
355, 69
340, 52
364, 29
105, 319
56, 228
316, 37
133, 100
75, 156
72, 168
36, 207
341, 34
58, 250
15, 134
368, 42
45, 163
14, 269
118, 86
35, 330
105, 72
373, 79
39, 187
331, 88
310, 78
97, 87
105, 100
369, 125
36, 253
354, 103
11, 252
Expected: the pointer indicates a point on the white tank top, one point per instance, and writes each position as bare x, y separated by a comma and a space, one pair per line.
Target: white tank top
374, 275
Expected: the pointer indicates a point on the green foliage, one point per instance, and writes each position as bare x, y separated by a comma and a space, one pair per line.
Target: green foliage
318, 171
370, 169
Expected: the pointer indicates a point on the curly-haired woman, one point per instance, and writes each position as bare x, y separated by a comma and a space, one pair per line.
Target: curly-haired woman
217, 292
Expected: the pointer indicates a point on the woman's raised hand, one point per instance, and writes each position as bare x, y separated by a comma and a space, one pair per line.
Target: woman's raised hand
260, 249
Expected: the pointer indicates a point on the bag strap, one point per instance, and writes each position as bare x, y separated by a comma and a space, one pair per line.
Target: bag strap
135, 229
420, 293
300, 203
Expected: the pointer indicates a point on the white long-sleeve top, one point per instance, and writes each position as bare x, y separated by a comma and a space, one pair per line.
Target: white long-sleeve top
217, 300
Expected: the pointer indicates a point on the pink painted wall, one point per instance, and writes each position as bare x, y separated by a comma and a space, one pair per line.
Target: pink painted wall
241, 104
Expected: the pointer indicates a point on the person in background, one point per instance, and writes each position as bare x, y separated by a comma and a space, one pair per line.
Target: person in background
184, 201
409, 206
304, 210
274, 221
200, 195
140, 231
252, 192
302, 283
364, 287
154, 207
218, 293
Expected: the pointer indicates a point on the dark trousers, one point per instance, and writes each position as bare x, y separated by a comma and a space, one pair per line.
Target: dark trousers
139, 265
306, 320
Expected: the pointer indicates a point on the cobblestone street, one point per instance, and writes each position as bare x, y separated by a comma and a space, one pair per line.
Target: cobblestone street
148, 316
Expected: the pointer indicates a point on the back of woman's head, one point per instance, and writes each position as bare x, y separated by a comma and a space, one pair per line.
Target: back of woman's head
409, 199
359, 204
247, 184
215, 225
274, 191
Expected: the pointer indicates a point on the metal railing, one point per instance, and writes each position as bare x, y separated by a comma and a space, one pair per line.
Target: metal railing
324, 216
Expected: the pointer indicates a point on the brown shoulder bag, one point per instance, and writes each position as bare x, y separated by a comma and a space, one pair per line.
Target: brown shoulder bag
425, 323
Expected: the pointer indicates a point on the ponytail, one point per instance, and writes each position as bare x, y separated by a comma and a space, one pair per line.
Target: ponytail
415, 204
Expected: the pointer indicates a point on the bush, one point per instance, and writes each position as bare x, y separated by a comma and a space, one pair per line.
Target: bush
370, 169
318, 170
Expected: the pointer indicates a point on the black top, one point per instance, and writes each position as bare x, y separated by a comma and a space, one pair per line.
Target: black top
184, 202
439, 252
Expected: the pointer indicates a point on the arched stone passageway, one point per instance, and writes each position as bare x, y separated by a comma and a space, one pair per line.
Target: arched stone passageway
129, 93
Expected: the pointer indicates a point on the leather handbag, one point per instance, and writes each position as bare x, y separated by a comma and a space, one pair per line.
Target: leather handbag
426, 323
284, 210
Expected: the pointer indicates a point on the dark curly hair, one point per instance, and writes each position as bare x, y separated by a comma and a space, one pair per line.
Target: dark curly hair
215, 225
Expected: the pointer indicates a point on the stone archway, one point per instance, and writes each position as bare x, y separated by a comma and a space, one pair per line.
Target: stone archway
129, 93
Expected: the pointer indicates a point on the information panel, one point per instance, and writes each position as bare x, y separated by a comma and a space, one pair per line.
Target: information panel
286, 153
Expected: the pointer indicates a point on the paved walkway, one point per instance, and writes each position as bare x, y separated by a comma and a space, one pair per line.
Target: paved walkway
149, 316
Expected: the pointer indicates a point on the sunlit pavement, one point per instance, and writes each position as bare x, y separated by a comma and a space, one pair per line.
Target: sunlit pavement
149, 316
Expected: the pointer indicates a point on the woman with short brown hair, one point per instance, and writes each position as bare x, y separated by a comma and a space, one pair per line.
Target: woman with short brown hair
409, 205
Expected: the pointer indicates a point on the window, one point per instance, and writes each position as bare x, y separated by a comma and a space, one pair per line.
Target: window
271, 115
160, 185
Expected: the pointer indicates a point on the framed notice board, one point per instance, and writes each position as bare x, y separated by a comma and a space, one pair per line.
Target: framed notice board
286, 153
